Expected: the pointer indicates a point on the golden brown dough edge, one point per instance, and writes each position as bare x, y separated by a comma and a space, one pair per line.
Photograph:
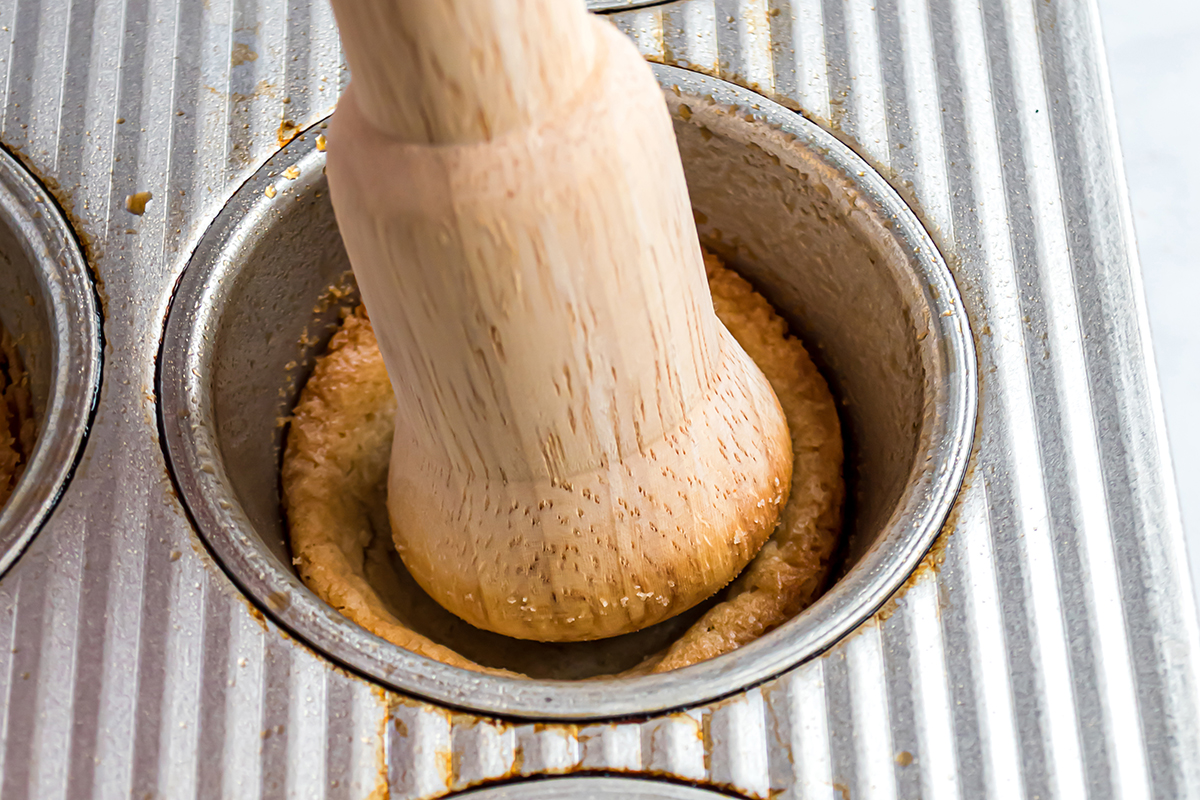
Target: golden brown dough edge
339, 444
791, 569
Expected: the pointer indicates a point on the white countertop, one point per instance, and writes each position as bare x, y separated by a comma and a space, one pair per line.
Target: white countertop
1154, 60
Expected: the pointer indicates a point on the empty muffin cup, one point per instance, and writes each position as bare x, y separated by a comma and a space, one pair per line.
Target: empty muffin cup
49, 355
792, 209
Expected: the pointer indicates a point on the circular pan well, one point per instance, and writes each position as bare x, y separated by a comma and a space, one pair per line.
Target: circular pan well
596, 788
48, 305
601, 6
823, 236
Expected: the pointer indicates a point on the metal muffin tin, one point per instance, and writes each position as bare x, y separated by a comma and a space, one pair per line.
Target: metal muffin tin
48, 305
800, 214
1047, 646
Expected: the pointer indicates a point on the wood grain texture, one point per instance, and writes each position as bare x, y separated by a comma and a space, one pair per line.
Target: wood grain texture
443, 71
581, 448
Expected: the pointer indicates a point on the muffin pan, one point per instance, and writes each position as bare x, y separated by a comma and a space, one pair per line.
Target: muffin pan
1047, 645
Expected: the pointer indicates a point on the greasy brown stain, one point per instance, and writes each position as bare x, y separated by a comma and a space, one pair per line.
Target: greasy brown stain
705, 734
255, 614
904, 758
242, 54
382, 790
269, 732
844, 789
668, 56
233, 593
445, 765
263, 88
518, 760
455, 766
931, 564
837, 113
460, 720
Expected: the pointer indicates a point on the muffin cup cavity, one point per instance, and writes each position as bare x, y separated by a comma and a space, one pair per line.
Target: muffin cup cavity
792, 209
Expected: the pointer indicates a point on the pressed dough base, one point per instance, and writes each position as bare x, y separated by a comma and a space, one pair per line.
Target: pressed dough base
334, 483
17, 427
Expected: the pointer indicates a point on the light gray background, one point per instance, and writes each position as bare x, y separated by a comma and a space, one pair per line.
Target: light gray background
1154, 60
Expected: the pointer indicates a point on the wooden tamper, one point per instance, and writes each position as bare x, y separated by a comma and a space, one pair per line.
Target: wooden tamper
581, 448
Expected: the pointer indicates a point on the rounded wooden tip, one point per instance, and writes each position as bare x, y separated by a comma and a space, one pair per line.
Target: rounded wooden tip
610, 550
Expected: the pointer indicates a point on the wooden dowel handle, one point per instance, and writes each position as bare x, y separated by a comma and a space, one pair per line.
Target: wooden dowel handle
461, 71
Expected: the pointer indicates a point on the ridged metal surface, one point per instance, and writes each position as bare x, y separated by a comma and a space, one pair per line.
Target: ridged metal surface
1048, 648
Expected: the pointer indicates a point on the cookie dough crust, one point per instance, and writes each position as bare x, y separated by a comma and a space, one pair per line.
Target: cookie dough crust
339, 445
18, 429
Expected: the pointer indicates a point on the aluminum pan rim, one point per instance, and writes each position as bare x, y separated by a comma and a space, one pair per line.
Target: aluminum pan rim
66, 284
603, 6
600, 787
212, 503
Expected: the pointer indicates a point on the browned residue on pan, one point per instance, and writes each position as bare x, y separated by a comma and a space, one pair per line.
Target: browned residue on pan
382, 790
